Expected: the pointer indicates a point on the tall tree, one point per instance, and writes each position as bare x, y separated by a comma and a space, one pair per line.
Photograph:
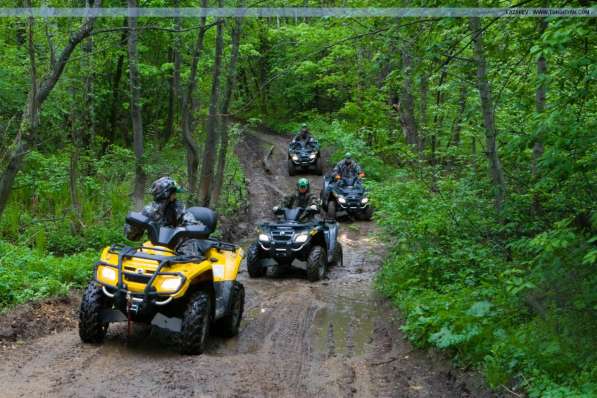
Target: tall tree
37, 95
209, 151
136, 117
407, 102
174, 82
231, 76
495, 166
189, 107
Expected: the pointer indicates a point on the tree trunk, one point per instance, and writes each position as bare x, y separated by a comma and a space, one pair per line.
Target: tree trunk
540, 108
423, 124
230, 86
209, 151
174, 81
457, 125
88, 136
407, 105
73, 173
136, 118
189, 108
169, 126
36, 97
495, 167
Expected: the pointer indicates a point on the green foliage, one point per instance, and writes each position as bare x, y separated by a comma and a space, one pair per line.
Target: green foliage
520, 311
27, 274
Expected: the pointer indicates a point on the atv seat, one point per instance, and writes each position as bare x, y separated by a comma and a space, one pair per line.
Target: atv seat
207, 217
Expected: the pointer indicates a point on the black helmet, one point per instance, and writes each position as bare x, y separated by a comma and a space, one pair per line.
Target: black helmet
162, 188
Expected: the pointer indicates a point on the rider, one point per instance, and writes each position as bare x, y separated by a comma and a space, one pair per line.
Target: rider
301, 198
303, 135
166, 211
347, 168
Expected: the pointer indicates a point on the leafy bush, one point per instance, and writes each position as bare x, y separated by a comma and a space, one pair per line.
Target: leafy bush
521, 310
26, 274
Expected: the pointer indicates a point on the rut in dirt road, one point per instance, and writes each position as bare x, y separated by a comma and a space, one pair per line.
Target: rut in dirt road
297, 339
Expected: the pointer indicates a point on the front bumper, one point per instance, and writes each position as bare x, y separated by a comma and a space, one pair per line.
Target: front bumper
353, 207
304, 162
282, 249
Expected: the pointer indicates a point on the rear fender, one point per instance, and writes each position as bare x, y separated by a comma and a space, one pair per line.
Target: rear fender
225, 263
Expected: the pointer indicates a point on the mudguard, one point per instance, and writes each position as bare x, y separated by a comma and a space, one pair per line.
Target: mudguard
223, 291
331, 236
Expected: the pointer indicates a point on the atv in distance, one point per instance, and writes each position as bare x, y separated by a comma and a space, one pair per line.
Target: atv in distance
345, 197
304, 156
155, 284
282, 242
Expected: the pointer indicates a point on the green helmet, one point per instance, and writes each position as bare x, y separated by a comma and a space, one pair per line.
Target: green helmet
303, 185
304, 125
348, 155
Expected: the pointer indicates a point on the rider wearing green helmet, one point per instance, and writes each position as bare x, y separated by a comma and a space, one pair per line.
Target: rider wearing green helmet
302, 197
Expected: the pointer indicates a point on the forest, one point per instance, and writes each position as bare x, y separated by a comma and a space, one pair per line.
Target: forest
477, 136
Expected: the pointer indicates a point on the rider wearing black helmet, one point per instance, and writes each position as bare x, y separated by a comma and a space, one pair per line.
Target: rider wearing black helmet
303, 135
347, 167
165, 210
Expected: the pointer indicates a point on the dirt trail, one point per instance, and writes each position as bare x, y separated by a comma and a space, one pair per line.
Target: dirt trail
298, 339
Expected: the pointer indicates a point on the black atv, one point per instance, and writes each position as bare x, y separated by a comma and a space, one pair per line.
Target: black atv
304, 156
278, 244
345, 197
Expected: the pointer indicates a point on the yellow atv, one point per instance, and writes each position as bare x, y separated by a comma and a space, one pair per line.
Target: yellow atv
157, 285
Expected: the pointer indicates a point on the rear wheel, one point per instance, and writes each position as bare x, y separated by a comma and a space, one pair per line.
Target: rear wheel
229, 324
316, 264
332, 209
195, 323
91, 327
256, 270
338, 259
291, 168
318, 167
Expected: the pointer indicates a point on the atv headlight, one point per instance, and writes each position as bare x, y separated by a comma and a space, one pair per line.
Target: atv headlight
295, 157
341, 200
107, 275
312, 156
264, 237
364, 200
301, 238
170, 284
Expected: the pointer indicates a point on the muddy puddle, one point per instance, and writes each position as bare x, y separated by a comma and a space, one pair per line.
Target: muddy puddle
346, 324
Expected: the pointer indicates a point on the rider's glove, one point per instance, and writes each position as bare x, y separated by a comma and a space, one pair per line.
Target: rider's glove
313, 207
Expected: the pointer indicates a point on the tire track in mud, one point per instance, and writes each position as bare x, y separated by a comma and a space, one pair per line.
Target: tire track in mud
297, 339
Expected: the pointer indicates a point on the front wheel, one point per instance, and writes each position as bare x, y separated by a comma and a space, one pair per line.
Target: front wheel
316, 264
338, 260
195, 324
91, 327
256, 270
332, 210
229, 324
291, 168
318, 167
367, 215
